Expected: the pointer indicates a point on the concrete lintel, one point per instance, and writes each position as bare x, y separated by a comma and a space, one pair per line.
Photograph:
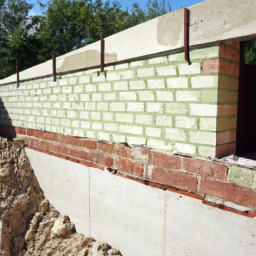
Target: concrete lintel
210, 21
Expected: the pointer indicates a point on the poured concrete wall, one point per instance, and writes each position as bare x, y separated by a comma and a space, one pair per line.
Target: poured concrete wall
140, 220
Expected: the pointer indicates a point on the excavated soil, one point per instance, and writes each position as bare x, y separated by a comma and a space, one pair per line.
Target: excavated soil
29, 224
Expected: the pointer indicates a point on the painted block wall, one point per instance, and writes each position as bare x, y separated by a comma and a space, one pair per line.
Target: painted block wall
161, 102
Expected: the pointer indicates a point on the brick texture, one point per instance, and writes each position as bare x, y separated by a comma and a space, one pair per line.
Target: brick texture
231, 192
175, 179
205, 168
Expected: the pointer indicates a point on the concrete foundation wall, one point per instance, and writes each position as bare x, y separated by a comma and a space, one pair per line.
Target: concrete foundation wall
137, 219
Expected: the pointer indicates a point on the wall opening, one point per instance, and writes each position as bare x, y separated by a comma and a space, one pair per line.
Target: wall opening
246, 117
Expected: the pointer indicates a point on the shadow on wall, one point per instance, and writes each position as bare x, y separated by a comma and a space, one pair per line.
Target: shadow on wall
7, 130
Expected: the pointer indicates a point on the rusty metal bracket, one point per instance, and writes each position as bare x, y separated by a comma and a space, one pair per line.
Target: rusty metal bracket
186, 35
102, 54
54, 66
17, 72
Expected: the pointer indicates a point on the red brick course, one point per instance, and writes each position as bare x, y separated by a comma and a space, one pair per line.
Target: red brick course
229, 53
169, 172
159, 159
205, 168
231, 192
175, 179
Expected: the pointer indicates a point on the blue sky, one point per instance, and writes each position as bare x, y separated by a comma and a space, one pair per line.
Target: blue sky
176, 4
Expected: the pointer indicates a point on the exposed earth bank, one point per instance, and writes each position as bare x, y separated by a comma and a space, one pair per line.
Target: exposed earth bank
29, 224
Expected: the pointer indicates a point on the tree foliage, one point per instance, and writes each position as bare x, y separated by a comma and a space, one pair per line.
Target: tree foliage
250, 52
65, 25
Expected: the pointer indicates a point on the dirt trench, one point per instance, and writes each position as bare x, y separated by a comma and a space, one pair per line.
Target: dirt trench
29, 224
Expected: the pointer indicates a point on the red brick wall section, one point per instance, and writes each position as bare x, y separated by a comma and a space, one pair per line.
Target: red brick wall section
227, 67
184, 175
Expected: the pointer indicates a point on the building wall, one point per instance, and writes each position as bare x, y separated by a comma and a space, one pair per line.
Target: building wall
161, 102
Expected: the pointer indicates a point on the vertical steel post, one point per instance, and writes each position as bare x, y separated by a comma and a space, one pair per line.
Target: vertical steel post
102, 54
186, 34
54, 66
17, 72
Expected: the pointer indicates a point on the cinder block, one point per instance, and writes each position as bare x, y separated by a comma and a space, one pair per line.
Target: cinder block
153, 132
185, 148
72, 80
65, 122
136, 140
145, 72
85, 125
155, 107
117, 106
71, 114
107, 116
166, 71
102, 106
204, 82
137, 85
95, 116
157, 60
159, 144
110, 96
97, 126
84, 79
85, 97
210, 96
188, 95
120, 86
176, 108
103, 136
119, 138
156, 84
90, 88
104, 87
164, 121
203, 110
137, 63
144, 119
146, 95
124, 118
90, 106
79, 88
129, 74
204, 138
208, 124
177, 82
127, 96
113, 76
176, 134
185, 69
96, 96
135, 107
111, 127
122, 66
164, 96
131, 129
84, 115
186, 122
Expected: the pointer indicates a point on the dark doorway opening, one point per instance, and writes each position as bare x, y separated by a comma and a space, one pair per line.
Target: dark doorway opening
246, 117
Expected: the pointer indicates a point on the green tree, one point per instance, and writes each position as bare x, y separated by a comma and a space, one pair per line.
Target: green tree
71, 24
18, 38
154, 9
250, 52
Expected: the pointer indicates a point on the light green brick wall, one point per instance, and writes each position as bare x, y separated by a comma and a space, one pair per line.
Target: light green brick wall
161, 102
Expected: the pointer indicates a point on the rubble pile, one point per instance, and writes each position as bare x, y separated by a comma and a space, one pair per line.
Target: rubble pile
29, 224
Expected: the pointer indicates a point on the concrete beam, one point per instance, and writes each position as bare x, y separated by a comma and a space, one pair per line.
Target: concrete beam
210, 21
